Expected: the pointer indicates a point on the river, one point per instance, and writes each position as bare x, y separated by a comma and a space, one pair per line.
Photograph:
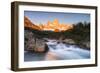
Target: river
58, 51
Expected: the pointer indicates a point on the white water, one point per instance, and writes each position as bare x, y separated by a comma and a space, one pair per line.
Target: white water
64, 51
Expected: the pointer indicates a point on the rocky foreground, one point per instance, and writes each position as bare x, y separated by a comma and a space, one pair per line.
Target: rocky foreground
58, 51
37, 44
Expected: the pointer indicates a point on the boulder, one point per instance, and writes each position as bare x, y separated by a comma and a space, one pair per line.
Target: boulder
87, 44
40, 46
68, 41
29, 40
32, 43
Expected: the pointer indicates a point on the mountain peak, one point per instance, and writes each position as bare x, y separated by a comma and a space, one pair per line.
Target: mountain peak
56, 26
56, 22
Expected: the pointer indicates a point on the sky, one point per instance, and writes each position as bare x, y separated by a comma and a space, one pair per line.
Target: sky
39, 17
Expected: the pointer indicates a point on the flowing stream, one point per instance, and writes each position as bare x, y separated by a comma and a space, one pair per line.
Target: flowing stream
59, 51
65, 51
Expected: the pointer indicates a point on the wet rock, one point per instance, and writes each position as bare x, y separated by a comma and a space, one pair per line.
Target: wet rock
69, 41
87, 44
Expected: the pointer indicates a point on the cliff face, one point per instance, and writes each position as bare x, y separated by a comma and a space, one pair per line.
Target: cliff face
29, 24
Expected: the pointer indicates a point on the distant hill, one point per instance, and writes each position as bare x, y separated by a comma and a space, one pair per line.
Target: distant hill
29, 24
